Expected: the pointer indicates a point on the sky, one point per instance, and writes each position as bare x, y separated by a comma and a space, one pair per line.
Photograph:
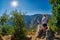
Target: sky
30, 6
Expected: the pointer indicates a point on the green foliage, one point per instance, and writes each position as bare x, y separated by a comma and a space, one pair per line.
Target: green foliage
0, 29
3, 19
51, 23
19, 25
6, 30
31, 26
56, 13
18, 29
52, 1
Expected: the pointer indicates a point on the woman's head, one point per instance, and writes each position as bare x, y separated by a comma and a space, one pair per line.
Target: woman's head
44, 15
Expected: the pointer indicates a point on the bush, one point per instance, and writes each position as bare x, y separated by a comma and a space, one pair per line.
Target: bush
7, 30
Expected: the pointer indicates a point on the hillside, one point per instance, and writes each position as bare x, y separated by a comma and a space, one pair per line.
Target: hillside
33, 19
30, 20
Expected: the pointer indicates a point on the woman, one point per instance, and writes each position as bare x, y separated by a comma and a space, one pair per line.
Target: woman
44, 24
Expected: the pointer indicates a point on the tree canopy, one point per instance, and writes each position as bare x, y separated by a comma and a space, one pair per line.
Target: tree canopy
55, 4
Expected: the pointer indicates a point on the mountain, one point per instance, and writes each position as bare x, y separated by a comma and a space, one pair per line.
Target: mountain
30, 20
33, 19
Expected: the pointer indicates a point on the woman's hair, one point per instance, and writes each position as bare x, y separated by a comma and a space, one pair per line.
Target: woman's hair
44, 15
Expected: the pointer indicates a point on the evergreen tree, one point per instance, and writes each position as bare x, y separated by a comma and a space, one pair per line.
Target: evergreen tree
19, 25
4, 28
7, 30
56, 13
3, 18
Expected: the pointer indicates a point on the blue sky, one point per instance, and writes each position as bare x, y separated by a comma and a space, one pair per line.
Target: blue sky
29, 6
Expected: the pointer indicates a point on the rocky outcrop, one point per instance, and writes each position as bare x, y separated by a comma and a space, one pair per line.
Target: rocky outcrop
6, 37
1, 38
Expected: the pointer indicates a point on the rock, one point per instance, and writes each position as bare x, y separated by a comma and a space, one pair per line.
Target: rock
6, 37
1, 38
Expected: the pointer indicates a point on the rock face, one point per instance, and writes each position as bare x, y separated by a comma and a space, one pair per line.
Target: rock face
1, 38
7, 37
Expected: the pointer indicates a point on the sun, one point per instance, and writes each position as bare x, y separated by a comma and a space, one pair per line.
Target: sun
14, 3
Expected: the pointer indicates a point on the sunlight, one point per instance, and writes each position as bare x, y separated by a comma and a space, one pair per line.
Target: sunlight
14, 3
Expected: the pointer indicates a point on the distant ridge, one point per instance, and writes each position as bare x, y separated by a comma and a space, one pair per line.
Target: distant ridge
32, 19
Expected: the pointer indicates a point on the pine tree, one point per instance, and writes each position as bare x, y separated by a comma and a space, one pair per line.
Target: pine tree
3, 18
19, 24
56, 13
